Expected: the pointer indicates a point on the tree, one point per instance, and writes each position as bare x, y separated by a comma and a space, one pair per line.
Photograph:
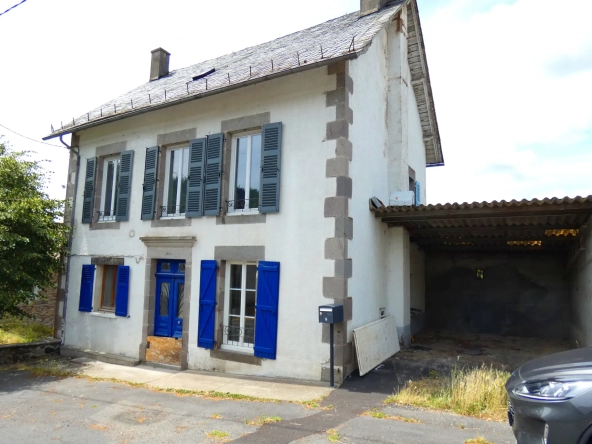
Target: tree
32, 238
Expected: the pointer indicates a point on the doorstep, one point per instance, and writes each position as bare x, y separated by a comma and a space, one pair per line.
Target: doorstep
199, 381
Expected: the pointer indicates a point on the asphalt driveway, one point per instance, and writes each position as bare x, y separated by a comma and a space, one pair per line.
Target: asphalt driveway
72, 410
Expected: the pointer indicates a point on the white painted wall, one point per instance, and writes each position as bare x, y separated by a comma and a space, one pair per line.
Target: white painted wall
294, 237
385, 143
581, 294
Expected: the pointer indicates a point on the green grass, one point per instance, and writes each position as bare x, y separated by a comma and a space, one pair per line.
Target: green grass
476, 392
263, 420
20, 331
333, 436
218, 435
478, 440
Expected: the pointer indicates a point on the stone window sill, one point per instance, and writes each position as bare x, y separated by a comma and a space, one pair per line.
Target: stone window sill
103, 314
228, 355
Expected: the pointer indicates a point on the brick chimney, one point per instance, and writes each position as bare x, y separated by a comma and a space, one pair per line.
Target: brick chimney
159, 66
370, 6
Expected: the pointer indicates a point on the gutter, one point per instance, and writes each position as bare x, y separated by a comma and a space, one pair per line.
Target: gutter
286, 72
70, 238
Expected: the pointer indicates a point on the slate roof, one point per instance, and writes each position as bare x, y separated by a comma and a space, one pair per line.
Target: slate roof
341, 38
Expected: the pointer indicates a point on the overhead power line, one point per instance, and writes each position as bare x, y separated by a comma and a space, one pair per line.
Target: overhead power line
29, 138
23, 1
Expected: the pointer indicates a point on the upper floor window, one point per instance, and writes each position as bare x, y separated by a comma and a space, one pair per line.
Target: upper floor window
245, 174
108, 208
175, 189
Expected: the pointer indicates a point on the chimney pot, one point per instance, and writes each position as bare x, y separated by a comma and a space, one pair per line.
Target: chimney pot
371, 6
159, 66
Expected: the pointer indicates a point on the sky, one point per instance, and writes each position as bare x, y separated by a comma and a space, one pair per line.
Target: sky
511, 78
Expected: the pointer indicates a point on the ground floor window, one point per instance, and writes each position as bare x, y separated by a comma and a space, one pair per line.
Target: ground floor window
240, 298
109, 286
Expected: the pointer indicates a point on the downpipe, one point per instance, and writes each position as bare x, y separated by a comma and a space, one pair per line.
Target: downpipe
70, 236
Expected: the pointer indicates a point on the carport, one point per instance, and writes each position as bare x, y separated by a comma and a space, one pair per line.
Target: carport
511, 269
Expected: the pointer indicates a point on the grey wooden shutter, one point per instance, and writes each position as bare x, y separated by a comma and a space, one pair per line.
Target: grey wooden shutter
125, 185
213, 177
89, 190
149, 195
271, 147
195, 183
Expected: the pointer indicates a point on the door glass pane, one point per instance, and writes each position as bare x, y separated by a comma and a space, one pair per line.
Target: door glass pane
236, 273
235, 302
109, 276
164, 299
255, 171
165, 266
249, 331
251, 277
180, 299
181, 268
241, 174
250, 297
184, 176
233, 330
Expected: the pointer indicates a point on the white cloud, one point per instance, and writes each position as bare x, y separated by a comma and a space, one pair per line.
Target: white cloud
511, 87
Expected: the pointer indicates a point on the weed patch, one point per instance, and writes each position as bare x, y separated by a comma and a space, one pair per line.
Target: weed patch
381, 415
218, 436
21, 331
263, 420
332, 435
478, 440
471, 392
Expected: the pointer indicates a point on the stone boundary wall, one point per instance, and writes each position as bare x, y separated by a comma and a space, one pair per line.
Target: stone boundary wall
11, 353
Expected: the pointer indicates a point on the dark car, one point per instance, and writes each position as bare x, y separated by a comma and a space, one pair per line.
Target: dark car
551, 399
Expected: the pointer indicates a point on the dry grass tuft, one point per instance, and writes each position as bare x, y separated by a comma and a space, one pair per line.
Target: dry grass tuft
218, 436
478, 440
476, 392
381, 415
332, 435
263, 420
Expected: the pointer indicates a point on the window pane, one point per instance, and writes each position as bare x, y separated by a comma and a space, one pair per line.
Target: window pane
109, 276
108, 188
180, 299
173, 183
251, 277
164, 299
235, 303
241, 174
184, 176
255, 171
236, 273
250, 297
233, 330
249, 331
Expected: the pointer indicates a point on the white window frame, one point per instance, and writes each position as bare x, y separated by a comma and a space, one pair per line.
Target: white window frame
238, 348
165, 196
102, 218
232, 182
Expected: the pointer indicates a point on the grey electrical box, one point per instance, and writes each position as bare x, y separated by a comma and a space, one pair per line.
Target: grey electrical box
331, 314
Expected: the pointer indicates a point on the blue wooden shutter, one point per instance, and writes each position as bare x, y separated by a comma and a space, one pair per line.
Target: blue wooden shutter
271, 147
266, 315
149, 195
417, 193
86, 288
125, 185
89, 190
122, 292
207, 305
195, 184
213, 177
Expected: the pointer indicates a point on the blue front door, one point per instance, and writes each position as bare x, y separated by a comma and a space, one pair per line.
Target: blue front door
170, 297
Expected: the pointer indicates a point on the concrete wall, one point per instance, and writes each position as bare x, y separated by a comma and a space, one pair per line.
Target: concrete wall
387, 140
294, 237
520, 294
581, 293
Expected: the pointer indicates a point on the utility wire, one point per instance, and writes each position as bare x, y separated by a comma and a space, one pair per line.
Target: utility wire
32, 140
23, 1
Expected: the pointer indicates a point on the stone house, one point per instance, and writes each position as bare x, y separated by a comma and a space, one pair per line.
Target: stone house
217, 206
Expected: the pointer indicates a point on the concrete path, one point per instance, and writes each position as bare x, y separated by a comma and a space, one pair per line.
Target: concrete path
202, 381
